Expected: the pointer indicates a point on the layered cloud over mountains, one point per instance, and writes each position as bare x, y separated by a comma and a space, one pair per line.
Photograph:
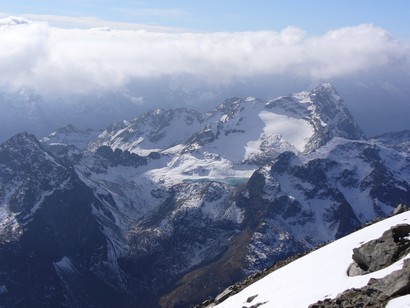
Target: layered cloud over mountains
48, 59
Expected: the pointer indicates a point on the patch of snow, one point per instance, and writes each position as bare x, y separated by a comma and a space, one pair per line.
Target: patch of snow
190, 167
296, 131
234, 213
9, 224
399, 302
280, 132
224, 118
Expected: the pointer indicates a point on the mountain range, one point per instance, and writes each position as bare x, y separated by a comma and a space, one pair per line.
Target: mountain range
175, 205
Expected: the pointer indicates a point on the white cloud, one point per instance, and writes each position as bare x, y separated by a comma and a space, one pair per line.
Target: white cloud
13, 20
86, 22
49, 59
23, 47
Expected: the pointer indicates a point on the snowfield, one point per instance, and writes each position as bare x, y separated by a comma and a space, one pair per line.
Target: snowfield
296, 131
320, 274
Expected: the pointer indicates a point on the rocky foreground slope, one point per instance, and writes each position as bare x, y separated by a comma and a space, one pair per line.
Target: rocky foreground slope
326, 273
151, 210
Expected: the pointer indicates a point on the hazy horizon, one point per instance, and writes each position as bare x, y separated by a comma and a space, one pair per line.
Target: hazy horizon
56, 57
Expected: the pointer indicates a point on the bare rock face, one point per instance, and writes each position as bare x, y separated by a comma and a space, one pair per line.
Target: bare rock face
382, 252
395, 284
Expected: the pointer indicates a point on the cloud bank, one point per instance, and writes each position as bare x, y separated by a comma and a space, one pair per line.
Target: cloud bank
52, 60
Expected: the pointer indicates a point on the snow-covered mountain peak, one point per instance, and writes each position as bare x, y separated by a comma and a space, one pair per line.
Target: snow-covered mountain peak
20, 147
24, 152
235, 108
325, 111
326, 87
67, 129
326, 99
153, 131
242, 132
70, 135
28, 173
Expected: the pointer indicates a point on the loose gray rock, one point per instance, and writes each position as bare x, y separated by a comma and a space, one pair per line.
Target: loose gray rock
224, 295
355, 270
251, 298
382, 252
395, 284
401, 208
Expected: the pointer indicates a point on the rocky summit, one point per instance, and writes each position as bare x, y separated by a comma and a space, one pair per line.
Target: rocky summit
175, 205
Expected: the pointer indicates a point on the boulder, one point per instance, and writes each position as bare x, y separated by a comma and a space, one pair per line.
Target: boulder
382, 252
401, 208
224, 295
395, 284
251, 298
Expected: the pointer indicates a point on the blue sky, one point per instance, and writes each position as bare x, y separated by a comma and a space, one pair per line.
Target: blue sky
315, 17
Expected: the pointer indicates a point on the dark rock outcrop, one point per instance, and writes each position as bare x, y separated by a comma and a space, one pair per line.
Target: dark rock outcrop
118, 157
382, 252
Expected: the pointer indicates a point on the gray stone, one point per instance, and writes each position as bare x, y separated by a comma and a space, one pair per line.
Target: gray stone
401, 208
355, 270
395, 284
382, 252
224, 295
251, 298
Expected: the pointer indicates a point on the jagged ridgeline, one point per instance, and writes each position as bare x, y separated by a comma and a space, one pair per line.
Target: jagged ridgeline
176, 205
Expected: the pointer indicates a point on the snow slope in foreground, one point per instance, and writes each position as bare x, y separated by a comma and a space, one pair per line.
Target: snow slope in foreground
320, 274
